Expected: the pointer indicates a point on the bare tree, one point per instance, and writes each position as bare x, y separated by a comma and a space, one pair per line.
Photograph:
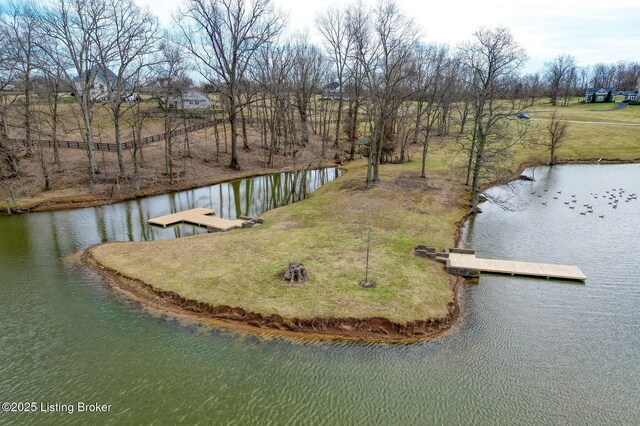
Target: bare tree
171, 81
436, 75
136, 122
276, 62
387, 58
73, 24
333, 25
307, 72
128, 37
8, 74
559, 73
603, 75
20, 22
532, 88
52, 88
557, 130
356, 21
494, 58
223, 36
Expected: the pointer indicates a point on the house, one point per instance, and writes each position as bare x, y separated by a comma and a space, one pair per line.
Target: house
629, 95
331, 92
99, 90
600, 94
190, 99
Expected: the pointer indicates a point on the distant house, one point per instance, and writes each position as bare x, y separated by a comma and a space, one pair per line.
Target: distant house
331, 92
190, 99
600, 94
8, 88
629, 95
100, 91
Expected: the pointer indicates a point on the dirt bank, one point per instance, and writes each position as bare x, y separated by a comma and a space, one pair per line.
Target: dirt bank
67, 203
339, 329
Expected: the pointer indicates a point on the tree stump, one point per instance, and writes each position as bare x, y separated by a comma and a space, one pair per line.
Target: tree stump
296, 273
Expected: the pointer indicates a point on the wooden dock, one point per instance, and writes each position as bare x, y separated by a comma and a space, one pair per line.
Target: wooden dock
469, 265
198, 216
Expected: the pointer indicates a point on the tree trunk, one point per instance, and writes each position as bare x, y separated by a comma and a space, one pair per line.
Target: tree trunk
54, 126
122, 172
425, 147
136, 159
217, 137
336, 145
416, 129
476, 175
91, 153
245, 139
304, 125
234, 140
27, 109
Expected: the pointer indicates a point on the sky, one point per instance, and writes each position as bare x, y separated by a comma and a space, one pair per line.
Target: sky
591, 30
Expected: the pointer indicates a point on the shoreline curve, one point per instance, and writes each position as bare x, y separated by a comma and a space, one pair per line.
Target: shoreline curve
368, 330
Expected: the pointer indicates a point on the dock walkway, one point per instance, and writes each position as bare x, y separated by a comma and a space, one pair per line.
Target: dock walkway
469, 265
198, 216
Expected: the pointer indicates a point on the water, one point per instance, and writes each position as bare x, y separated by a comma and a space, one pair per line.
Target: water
524, 352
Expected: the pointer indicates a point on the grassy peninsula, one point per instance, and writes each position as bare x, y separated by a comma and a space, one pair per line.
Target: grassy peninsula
327, 233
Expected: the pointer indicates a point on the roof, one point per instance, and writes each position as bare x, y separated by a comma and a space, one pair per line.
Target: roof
627, 92
592, 90
194, 95
110, 77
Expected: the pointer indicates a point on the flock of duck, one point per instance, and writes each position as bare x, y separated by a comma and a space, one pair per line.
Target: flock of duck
613, 198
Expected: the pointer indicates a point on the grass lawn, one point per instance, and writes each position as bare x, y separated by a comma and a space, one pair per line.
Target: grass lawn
576, 111
327, 233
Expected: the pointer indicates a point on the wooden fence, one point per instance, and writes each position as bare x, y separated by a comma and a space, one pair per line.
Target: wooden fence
108, 146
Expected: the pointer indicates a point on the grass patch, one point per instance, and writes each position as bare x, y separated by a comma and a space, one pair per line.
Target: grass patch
327, 233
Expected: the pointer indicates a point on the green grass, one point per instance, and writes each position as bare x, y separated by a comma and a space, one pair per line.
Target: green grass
327, 233
577, 111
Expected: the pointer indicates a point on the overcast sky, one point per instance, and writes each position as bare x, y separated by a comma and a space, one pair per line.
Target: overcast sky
591, 30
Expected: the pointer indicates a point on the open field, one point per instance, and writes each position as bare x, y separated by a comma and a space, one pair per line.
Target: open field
576, 111
586, 138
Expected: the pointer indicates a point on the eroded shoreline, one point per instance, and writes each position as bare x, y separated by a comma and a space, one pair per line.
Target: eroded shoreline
376, 329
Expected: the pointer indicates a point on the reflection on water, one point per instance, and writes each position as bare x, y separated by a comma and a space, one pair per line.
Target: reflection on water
127, 221
525, 351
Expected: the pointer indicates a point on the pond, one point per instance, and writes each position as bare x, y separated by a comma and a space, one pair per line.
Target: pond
524, 351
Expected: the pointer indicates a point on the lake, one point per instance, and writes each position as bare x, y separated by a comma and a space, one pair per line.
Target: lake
525, 351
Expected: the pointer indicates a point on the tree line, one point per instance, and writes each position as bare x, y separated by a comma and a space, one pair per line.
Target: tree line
373, 85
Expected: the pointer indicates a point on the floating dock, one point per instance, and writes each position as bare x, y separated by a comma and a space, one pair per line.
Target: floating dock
467, 264
198, 216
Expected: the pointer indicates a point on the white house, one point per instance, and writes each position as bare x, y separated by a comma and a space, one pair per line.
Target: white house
190, 99
99, 90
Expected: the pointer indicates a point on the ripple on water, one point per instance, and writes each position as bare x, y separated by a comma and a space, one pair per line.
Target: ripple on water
525, 351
